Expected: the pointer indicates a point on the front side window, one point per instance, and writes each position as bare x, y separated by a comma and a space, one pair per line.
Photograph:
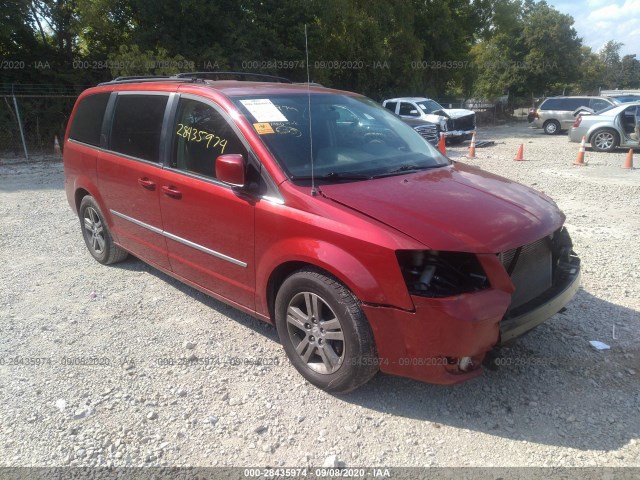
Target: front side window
137, 125
201, 134
409, 110
374, 142
87, 119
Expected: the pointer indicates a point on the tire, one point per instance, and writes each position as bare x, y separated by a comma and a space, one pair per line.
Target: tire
604, 140
456, 140
337, 349
551, 127
96, 234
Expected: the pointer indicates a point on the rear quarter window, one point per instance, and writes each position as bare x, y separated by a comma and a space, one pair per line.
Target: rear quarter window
86, 124
137, 125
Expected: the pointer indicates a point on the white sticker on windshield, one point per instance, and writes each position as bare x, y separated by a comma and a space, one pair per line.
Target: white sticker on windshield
263, 110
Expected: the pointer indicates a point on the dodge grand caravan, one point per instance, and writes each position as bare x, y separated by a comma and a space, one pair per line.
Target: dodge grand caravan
367, 248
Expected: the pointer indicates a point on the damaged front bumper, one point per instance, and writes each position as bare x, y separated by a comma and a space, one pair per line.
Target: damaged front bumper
535, 312
445, 340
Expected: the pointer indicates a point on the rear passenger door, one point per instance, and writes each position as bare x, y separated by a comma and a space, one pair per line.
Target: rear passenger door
128, 174
209, 226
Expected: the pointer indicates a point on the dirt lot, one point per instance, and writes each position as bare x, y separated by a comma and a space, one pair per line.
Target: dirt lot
556, 401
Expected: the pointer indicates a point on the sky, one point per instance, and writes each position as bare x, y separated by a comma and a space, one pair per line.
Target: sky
598, 21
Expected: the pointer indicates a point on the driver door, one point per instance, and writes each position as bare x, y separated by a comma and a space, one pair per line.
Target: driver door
208, 225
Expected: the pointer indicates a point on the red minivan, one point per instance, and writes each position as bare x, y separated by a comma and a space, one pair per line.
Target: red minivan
321, 212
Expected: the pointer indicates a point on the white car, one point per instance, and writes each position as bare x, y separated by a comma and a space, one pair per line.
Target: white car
457, 124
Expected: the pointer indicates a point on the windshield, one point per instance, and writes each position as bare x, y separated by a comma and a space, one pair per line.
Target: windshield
353, 137
430, 106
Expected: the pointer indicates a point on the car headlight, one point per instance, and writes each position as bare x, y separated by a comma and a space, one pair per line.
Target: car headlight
431, 273
443, 124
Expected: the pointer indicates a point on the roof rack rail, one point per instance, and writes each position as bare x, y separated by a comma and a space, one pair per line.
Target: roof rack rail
195, 76
216, 74
140, 78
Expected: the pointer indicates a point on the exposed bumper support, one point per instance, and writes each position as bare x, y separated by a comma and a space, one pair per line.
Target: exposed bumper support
514, 326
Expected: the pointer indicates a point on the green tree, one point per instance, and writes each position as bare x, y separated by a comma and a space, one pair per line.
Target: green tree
630, 72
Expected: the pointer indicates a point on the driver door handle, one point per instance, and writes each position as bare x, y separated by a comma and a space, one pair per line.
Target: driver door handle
146, 183
172, 192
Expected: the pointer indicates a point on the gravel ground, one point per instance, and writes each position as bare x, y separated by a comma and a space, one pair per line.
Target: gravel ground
556, 402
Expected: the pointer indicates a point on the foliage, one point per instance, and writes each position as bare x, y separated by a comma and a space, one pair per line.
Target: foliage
460, 48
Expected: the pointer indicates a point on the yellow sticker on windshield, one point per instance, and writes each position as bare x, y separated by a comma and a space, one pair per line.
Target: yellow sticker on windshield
263, 128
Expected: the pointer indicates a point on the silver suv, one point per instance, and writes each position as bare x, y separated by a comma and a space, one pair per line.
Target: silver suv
558, 113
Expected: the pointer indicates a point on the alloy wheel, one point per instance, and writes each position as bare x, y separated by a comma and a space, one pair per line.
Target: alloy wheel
94, 230
604, 140
315, 332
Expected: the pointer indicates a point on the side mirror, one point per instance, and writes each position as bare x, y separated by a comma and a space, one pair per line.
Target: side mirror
414, 112
230, 169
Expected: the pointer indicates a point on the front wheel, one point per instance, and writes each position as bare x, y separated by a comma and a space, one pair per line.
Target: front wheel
324, 332
96, 233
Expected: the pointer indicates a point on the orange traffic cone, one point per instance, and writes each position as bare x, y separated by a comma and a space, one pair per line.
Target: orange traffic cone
628, 162
580, 157
519, 155
442, 146
56, 146
472, 147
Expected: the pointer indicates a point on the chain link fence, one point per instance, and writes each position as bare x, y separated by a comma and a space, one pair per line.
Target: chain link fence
32, 117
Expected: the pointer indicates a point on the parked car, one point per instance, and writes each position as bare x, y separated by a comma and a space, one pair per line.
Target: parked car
617, 126
626, 98
427, 130
457, 124
367, 248
556, 114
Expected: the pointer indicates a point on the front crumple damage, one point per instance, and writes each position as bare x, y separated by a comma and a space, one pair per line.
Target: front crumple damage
432, 342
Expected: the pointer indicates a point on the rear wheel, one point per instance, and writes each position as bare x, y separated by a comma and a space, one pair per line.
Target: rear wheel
604, 140
551, 127
96, 234
324, 332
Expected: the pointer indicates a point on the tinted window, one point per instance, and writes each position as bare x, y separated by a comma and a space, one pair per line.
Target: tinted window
200, 135
571, 104
391, 106
567, 104
407, 108
87, 121
598, 104
137, 124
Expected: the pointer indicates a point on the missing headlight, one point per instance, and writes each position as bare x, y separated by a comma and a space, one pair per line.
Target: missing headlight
441, 274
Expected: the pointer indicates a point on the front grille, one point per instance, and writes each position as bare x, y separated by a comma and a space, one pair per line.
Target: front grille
464, 124
429, 133
530, 268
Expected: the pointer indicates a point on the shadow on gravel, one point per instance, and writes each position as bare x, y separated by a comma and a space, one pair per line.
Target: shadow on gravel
135, 265
553, 388
31, 176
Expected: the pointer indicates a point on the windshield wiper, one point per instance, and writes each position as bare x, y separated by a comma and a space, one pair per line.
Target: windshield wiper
334, 176
405, 169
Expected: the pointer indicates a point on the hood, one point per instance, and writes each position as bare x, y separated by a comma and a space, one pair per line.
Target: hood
454, 208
